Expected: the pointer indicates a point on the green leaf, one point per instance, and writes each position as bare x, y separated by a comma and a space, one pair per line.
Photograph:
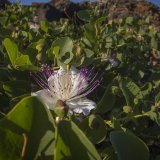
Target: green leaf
154, 115
12, 50
89, 53
109, 42
116, 124
23, 60
53, 53
87, 42
1, 115
129, 20
71, 143
23, 63
58, 30
11, 143
147, 20
4, 74
110, 154
130, 90
16, 88
157, 98
30, 118
146, 89
44, 26
90, 32
107, 101
40, 44
15, 100
94, 128
155, 79
64, 46
101, 19
56, 51
128, 146
128, 96
84, 15
154, 43
66, 59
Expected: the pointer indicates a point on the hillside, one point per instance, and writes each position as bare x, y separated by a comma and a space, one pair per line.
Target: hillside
117, 9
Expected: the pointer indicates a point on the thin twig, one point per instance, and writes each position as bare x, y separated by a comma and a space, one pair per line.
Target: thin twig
109, 122
23, 153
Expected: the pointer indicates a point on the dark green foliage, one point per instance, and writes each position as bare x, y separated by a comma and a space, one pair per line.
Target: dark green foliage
125, 53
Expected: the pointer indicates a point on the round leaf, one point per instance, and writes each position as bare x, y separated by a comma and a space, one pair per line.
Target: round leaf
71, 143
84, 15
94, 128
32, 119
128, 146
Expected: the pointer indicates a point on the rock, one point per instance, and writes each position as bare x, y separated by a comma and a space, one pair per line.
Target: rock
57, 9
3, 3
135, 8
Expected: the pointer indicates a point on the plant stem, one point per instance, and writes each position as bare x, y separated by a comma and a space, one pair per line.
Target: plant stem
109, 122
24, 146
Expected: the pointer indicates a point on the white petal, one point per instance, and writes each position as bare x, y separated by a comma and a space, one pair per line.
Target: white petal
81, 105
78, 110
74, 70
46, 97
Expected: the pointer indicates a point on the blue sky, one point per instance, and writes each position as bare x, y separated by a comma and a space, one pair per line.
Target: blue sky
30, 1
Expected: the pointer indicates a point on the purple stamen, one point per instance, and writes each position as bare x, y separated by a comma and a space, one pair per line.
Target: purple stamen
42, 77
86, 75
67, 85
46, 70
39, 81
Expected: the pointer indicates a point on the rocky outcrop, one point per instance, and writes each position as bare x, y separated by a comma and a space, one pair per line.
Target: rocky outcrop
3, 3
135, 8
57, 9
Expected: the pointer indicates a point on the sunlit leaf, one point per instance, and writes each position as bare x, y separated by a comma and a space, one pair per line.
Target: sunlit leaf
71, 143
12, 50
32, 120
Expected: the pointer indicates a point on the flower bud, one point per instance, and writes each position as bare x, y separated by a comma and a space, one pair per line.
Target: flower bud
136, 101
115, 90
61, 109
39, 56
127, 109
